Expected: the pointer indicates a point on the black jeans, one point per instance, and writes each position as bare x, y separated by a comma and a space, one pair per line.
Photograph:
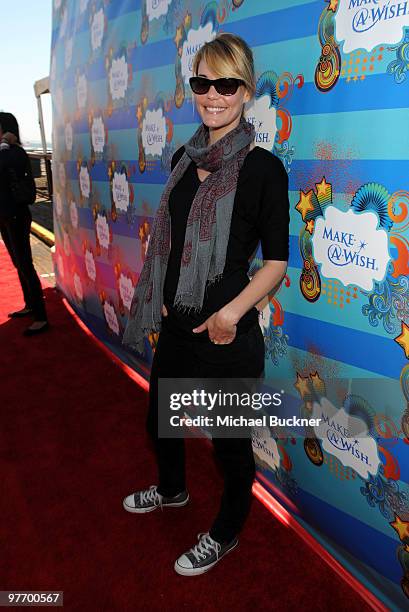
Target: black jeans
15, 232
179, 356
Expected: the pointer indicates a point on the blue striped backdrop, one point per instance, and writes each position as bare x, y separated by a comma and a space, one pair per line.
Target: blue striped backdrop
342, 117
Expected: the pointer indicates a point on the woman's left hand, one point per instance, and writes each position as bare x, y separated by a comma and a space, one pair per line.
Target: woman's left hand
221, 326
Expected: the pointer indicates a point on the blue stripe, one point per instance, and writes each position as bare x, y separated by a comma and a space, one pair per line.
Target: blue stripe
291, 23
375, 92
381, 355
354, 535
287, 24
393, 174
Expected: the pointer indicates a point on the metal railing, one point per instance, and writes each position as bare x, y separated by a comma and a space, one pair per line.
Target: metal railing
41, 167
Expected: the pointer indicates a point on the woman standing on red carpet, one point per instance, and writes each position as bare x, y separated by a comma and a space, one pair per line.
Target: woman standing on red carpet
16, 184
223, 197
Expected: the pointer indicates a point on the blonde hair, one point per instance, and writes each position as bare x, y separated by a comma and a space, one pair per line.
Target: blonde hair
228, 55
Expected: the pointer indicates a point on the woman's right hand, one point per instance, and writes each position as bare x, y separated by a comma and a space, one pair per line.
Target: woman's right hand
9, 138
164, 311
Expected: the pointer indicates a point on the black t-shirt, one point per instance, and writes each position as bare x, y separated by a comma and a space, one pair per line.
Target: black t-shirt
260, 213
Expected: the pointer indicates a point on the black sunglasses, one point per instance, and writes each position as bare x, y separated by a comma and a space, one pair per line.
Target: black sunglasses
224, 86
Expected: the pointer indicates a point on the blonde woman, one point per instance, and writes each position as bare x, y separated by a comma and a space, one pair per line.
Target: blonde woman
223, 197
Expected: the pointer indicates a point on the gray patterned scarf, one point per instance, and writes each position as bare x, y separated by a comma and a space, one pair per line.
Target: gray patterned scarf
207, 231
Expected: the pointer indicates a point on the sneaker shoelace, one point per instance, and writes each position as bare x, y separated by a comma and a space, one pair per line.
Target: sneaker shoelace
204, 547
151, 496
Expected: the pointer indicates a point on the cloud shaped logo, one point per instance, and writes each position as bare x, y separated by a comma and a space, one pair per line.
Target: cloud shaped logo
265, 447
120, 191
90, 265
350, 247
98, 134
264, 119
61, 174
118, 78
74, 214
195, 40
154, 132
97, 29
68, 136
78, 287
126, 290
82, 90
85, 184
58, 203
346, 437
364, 24
102, 231
157, 8
111, 318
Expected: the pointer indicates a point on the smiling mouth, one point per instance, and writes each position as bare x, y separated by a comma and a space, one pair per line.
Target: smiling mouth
214, 109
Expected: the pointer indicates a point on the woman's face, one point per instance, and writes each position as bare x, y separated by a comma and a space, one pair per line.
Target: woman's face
219, 113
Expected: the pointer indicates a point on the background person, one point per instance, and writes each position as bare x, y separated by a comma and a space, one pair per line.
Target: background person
15, 223
223, 196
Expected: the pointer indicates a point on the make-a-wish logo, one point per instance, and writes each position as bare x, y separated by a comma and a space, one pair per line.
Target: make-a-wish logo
346, 437
265, 448
157, 8
350, 247
263, 116
154, 132
195, 40
364, 24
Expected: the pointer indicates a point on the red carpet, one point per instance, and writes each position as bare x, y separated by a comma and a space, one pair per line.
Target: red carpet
72, 444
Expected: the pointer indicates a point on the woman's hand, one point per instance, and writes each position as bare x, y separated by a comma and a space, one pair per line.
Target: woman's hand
9, 138
221, 326
164, 311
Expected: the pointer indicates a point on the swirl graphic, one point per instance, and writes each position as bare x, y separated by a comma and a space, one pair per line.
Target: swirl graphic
385, 494
276, 342
313, 451
388, 303
267, 85
373, 196
358, 407
329, 64
400, 66
310, 281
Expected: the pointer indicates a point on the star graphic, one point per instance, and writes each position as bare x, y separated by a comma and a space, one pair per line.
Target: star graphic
401, 527
305, 205
309, 226
302, 386
362, 245
139, 113
403, 339
317, 383
323, 187
333, 5
178, 35
187, 20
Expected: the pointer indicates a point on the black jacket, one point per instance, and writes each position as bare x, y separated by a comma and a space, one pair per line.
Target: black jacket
14, 157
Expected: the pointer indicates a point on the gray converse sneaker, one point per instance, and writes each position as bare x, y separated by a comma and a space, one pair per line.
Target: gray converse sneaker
149, 499
203, 556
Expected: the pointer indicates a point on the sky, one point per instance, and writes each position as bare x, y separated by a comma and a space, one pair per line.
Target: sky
25, 45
